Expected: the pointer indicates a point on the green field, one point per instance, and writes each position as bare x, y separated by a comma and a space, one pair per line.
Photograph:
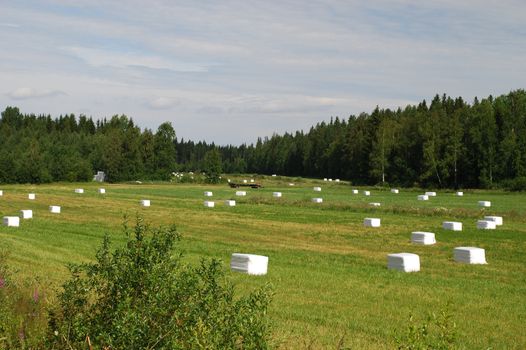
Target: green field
328, 271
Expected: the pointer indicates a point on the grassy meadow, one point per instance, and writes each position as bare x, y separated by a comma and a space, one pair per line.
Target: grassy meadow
328, 271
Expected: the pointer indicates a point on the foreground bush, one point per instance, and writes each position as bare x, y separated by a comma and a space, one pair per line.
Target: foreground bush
142, 296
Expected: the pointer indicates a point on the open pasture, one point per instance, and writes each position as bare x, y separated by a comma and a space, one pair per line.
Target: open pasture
329, 272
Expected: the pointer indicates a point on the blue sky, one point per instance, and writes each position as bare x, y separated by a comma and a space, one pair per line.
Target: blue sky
230, 71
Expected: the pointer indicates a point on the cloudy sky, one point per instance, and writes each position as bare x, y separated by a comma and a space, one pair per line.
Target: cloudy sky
230, 71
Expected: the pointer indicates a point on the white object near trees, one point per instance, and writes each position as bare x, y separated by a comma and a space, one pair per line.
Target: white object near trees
1, 193
79, 190
274, 175
324, 179
460, 193
245, 181
31, 196
145, 202
317, 200
317, 189
102, 190
209, 204
337, 180
431, 194
330, 180
452, 225
425, 238
251, 180
208, 194
406, 262
422, 197
276, 194
486, 204
12, 221
249, 263
486, 225
26, 214
371, 222
241, 193
366, 193
230, 203
497, 219
291, 184
374, 204
55, 209
394, 190
470, 255
354, 191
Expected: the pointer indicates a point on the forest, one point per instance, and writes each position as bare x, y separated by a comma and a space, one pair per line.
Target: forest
446, 143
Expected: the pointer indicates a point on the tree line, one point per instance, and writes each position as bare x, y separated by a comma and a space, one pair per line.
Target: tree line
447, 143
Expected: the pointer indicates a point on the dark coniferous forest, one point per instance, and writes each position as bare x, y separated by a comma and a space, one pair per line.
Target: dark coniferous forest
445, 143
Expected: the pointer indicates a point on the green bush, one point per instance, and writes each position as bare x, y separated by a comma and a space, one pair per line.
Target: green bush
517, 185
142, 296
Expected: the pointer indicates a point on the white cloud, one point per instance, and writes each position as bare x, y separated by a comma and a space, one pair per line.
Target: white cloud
162, 103
22, 93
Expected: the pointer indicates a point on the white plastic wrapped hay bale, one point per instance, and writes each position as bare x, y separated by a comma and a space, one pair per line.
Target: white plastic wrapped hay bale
245, 181
452, 225
274, 175
431, 194
374, 204
249, 263
485, 204
26, 214
209, 204
1, 193
355, 192
291, 184
317, 200
405, 262
498, 219
276, 194
330, 180
424, 238
241, 193
337, 180
371, 222
366, 193
324, 179
102, 190
470, 255
11, 221
31, 196
79, 190
252, 180
395, 190
55, 209
486, 225
459, 193
230, 203
145, 202
316, 189
422, 197
208, 194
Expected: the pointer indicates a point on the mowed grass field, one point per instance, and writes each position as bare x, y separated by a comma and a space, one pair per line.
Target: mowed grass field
328, 271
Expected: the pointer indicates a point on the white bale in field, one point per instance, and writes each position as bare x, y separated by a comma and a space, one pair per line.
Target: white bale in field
291, 184
486, 204
452, 225
425, 238
79, 190
55, 209
26, 214
145, 202
486, 225
274, 175
337, 180
374, 204
394, 190
316, 189
241, 193
366, 193
209, 204
31, 196
324, 179
371, 222
431, 194
459, 193
330, 180
251, 180
230, 203
249, 263
470, 255
208, 194
406, 262
245, 181
102, 190
422, 197
276, 194
354, 191
317, 200
12, 221
496, 219
1, 193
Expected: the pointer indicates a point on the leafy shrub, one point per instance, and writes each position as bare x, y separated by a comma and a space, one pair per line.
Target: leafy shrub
518, 184
142, 296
